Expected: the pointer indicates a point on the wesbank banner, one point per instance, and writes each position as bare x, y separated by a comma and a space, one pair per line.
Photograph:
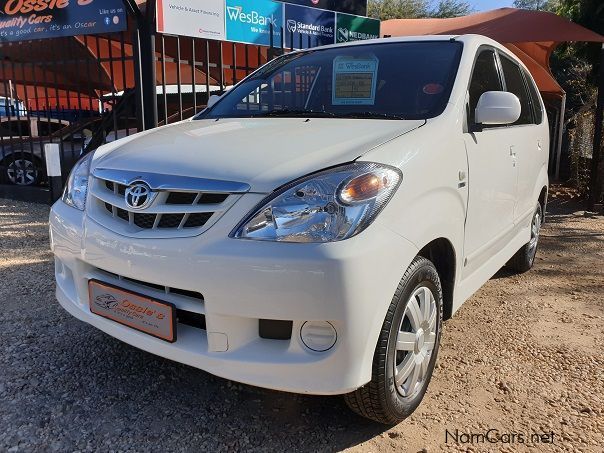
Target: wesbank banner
22, 20
356, 28
249, 21
199, 19
309, 23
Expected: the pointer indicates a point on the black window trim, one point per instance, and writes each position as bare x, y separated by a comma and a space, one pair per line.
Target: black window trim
475, 127
528, 92
529, 81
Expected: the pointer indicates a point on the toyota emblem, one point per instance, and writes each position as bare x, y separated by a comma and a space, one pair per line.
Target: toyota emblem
138, 196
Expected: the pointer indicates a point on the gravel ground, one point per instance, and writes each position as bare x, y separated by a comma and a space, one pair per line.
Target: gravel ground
524, 355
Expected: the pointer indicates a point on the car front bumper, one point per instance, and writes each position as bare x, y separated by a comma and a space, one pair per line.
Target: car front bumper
350, 284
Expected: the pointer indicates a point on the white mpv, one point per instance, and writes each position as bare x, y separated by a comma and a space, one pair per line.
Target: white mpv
311, 229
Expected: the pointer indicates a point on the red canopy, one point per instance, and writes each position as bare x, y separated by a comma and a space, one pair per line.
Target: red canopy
531, 35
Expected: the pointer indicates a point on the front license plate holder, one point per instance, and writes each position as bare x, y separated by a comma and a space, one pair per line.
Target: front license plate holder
137, 311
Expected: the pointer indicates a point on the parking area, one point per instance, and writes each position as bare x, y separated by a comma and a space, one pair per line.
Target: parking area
525, 355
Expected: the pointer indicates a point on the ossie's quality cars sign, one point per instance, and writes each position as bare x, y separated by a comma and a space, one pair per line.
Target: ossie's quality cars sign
22, 20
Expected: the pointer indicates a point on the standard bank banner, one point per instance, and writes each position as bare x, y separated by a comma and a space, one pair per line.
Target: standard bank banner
22, 20
304, 25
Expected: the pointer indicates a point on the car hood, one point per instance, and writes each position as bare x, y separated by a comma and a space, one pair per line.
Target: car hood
264, 153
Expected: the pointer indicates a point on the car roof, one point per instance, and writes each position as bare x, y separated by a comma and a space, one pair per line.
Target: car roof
25, 118
465, 38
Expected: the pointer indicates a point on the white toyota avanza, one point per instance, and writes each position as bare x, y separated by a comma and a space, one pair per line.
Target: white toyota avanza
310, 230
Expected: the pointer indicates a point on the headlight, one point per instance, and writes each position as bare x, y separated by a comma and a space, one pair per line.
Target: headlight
77, 183
332, 205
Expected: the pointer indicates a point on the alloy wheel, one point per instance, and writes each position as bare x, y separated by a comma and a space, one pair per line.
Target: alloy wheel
535, 228
22, 172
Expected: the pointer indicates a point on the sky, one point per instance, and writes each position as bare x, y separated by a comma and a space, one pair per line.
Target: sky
483, 5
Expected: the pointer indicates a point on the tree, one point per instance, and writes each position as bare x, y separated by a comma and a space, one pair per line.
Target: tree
537, 5
397, 9
414, 9
451, 8
590, 14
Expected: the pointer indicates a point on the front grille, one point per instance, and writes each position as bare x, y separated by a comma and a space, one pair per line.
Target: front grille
145, 221
186, 211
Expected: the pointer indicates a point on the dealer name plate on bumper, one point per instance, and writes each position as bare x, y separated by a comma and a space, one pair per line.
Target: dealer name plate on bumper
137, 311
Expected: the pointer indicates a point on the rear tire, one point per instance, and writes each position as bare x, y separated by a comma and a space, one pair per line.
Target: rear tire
524, 258
407, 347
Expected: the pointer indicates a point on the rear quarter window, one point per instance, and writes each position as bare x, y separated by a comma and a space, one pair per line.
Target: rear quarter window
535, 97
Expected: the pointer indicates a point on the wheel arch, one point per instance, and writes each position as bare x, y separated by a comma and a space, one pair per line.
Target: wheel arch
442, 254
543, 201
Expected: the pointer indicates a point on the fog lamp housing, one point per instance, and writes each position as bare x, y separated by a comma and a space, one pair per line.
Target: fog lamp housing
318, 336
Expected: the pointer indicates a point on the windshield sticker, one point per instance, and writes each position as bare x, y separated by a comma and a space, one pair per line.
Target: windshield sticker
354, 80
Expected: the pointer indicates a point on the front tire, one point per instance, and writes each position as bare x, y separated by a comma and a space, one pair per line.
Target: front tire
524, 258
407, 347
22, 170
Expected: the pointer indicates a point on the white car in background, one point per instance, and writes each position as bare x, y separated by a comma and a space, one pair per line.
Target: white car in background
310, 231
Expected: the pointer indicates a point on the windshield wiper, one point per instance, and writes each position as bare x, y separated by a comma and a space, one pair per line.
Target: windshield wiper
297, 113
384, 116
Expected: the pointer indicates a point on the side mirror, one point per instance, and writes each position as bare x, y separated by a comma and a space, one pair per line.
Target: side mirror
213, 100
497, 107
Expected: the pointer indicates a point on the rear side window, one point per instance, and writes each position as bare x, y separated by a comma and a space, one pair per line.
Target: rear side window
535, 98
15, 128
514, 81
484, 78
48, 127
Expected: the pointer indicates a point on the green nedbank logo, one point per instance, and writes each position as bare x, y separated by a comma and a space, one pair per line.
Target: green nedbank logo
345, 35
253, 17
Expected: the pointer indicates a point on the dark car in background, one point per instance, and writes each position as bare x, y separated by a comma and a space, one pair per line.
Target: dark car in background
22, 157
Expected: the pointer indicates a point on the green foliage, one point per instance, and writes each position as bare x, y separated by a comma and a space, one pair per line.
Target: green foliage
537, 5
397, 9
414, 9
451, 8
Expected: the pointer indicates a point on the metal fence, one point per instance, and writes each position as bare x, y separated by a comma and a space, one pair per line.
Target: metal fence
81, 92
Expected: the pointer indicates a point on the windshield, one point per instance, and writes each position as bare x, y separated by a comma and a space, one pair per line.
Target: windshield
396, 80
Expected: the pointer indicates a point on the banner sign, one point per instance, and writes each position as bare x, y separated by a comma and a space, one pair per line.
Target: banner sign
316, 24
22, 20
249, 21
199, 19
357, 7
356, 28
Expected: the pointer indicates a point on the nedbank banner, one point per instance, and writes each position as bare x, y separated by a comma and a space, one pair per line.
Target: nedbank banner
22, 20
356, 28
